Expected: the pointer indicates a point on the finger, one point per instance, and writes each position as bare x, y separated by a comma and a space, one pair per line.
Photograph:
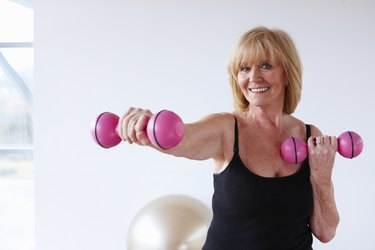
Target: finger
329, 140
311, 140
120, 125
334, 142
311, 143
140, 128
136, 128
131, 131
125, 120
318, 141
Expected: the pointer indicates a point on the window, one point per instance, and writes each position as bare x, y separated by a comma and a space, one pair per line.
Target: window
16, 133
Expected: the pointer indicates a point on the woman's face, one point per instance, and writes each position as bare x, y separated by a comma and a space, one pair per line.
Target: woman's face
263, 85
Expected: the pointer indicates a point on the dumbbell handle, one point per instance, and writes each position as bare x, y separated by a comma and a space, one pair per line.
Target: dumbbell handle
165, 129
294, 150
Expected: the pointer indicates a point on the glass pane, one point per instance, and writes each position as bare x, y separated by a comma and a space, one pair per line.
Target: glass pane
21, 59
16, 66
17, 222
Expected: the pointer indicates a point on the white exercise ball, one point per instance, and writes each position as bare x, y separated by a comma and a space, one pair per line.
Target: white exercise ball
173, 222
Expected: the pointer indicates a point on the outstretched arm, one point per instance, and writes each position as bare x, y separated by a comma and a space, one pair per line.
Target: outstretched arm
202, 140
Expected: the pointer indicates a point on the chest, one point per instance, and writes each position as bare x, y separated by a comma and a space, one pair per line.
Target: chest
260, 153
238, 190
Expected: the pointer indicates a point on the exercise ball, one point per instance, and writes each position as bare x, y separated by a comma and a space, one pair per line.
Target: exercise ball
173, 222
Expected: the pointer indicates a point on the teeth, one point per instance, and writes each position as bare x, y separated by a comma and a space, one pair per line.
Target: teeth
257, 90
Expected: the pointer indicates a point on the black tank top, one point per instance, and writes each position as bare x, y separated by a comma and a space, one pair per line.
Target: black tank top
251, 212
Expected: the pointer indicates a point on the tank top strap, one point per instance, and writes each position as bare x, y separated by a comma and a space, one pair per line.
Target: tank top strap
235, 146
308, 131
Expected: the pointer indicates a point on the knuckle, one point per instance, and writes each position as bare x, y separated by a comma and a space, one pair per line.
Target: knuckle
130, 110
139, 135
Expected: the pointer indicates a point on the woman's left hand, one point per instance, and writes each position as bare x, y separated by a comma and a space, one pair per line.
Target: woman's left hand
322, 151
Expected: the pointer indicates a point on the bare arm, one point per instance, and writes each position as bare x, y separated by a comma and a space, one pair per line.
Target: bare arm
203, 139
325, 217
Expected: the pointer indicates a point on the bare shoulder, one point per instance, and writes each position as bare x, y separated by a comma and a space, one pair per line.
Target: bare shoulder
218, 122
223, 117
298, 127
315, 131
223, 125
205, 138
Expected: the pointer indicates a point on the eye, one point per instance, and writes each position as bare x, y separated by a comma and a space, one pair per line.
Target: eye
245, 69
265, 65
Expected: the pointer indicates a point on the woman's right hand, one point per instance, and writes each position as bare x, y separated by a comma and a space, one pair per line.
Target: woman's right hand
132, 126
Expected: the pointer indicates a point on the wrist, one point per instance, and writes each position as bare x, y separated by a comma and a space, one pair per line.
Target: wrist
318, 180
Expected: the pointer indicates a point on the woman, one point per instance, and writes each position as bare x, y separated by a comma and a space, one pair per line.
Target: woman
259, 201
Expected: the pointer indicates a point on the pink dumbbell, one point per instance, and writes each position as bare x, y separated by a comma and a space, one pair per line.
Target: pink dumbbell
294, 150
165, 129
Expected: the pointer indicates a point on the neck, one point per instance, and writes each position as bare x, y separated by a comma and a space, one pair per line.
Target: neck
267, 118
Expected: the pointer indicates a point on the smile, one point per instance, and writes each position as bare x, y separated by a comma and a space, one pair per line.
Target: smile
259, 90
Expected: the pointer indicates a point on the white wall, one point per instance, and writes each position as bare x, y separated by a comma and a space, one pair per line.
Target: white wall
94, 56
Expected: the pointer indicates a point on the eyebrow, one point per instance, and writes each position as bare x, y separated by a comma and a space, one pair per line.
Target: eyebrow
242, 64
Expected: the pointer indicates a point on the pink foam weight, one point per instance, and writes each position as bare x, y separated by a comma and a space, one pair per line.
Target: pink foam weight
350, 144
103, 130
165, 129
293, 150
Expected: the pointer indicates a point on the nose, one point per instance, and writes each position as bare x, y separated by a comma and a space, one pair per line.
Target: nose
254, 75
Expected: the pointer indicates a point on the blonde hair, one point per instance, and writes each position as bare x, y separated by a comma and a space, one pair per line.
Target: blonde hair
253, 47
